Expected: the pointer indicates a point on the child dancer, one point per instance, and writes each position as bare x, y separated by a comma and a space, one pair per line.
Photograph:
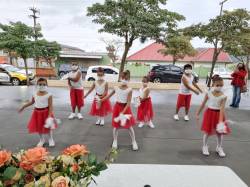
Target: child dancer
145, 112
100, 109
184, 96
214, 116
122, 110
43, 110
76, 91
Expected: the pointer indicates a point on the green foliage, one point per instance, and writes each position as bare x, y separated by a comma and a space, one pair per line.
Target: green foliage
178, 47
134, 19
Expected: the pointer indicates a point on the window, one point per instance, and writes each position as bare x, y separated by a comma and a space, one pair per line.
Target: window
109, 71
176, 69
94, 70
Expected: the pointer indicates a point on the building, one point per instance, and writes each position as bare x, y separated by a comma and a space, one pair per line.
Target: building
204, 56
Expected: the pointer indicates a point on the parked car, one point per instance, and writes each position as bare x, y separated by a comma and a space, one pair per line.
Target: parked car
17, 76
222, 72
167, 74
4, 76
66, 68
111, 73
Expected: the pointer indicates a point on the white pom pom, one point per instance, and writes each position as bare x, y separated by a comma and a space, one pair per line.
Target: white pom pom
221, 128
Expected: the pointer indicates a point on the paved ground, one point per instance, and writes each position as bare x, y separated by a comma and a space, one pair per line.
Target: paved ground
170, 143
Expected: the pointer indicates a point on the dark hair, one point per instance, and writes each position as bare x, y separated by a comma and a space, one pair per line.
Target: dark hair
100, 70
41, 79
243, 66
188, 66
126, 74
146, 78
216, 78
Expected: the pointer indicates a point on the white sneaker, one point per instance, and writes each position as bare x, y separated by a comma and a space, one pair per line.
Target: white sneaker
220, 152
114, 144
176, 117
186, 118
79, 115
98, 121
41, 143
134, 146
51, 143
151, 125
205, 151
72, 116
102, 122
141, 125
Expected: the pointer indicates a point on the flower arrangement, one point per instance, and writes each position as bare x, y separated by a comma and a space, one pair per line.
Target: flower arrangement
74, 167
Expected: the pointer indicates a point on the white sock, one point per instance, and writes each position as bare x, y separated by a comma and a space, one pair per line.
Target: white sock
132, 134
115, 134
51, 135
205, 140
41, 137
219, 140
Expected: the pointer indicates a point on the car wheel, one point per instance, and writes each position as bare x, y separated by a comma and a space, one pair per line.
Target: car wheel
91, 79
157, 80
61, 74
15, 82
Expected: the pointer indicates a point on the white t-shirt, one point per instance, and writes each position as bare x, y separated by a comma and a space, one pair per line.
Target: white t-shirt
142, 92
42, 101
213, 101
100, 88
183, 89
122, 95
79, 83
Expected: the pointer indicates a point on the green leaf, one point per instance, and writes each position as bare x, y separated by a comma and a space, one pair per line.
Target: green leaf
101, 166
92, 159
9, 173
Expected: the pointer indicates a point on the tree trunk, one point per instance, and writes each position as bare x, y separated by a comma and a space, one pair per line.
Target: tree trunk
26, 71
247, 66
124, 57
215, 56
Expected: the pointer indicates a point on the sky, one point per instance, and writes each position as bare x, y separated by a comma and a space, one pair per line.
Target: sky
65, 21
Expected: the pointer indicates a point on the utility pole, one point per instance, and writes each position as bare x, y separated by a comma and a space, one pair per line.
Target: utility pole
34, 16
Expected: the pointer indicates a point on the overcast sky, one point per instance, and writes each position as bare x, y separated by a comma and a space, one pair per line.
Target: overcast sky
65, 21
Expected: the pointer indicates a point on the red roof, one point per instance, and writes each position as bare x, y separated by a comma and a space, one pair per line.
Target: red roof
3, 60
150, 53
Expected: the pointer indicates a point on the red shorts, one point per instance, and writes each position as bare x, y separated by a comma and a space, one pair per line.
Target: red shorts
76, 98
183, 101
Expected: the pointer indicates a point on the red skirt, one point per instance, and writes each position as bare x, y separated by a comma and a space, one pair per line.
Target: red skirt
183, 101
145, 111
211, 120
76, 97
118, 108
37, 121
104, 109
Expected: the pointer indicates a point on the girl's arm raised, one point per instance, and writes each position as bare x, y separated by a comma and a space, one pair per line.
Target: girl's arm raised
222, 110
76, 78
90, 90
27, 105
50, 106
128, 102
202, 106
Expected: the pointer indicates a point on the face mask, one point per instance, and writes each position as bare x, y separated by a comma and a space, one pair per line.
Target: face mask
218, 89
74, 68
42, 88
99, 78
188, 71
124, 82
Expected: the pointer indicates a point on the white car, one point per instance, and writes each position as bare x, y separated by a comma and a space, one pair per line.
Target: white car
111, 73
222, 72
4, 76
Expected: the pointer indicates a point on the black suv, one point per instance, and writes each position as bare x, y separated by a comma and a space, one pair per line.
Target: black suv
168, 74
66, 68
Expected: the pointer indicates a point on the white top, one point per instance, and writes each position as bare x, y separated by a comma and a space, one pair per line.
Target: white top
142, 92
213, 101
41, 101
122, 95
124, 175
183, 89
79, 83
100, 88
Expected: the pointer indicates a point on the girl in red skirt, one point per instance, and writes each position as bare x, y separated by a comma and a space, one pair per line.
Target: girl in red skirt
145, 112
42, 112
122, 115
188, 85
98, 108
214, 116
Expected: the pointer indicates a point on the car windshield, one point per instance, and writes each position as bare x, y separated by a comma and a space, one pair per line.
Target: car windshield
12, 68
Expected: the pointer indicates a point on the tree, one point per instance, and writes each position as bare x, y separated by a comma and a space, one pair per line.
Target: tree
178, 47
17, 37
113, 47
219, 31
134, 19
47, 50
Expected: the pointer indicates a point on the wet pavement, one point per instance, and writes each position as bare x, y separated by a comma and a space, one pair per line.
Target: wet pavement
170, 143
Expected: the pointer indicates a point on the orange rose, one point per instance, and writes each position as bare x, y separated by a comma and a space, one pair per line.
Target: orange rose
26, 165
35, 155
5, 157
75, 150
60, 182
75, 168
